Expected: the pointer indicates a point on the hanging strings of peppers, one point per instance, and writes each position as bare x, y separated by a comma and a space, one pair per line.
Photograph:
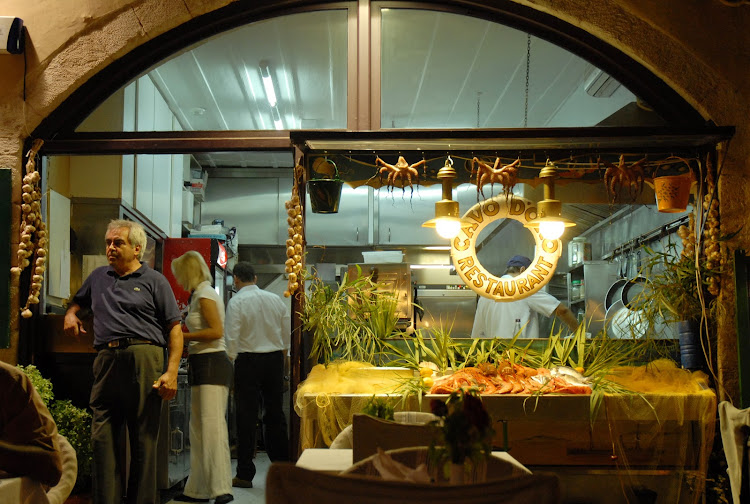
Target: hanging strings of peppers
32, 245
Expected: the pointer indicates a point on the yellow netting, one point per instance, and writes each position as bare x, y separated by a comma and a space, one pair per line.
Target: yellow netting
330, 396
667, 428
660, 376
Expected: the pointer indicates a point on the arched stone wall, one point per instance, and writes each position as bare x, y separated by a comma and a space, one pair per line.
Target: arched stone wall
701, 50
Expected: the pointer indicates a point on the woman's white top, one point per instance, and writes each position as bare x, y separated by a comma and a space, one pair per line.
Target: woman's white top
196, 322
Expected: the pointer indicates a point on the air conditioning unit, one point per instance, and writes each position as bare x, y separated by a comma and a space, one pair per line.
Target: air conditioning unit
601, 85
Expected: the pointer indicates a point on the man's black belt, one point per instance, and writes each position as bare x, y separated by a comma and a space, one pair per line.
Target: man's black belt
121, 343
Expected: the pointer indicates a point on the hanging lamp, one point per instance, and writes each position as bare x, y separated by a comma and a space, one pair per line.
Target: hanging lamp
447, 222
549, 220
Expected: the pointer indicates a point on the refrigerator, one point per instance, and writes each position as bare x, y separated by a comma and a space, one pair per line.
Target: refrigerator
213, 251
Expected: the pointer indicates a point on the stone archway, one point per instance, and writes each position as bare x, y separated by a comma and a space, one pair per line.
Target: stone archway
70, 47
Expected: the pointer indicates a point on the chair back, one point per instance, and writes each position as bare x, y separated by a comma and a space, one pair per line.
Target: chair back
369, 433
289, 484
60, 492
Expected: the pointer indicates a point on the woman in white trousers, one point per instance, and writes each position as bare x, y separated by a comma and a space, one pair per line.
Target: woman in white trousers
210, 374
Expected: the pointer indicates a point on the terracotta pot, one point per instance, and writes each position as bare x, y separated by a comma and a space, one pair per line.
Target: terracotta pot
672, 193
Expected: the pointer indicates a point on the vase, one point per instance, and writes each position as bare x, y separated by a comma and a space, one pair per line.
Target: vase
672, 193
468, 472
457, 474
691, 350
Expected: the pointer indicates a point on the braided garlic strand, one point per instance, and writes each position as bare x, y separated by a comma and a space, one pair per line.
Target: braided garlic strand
294, 264
711, 231
32, 246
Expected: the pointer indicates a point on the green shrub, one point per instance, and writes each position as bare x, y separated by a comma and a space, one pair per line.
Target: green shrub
72, 422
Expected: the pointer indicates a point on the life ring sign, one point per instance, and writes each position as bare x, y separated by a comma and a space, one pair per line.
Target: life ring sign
481, 281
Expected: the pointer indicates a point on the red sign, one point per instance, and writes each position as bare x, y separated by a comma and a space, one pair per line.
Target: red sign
222, 259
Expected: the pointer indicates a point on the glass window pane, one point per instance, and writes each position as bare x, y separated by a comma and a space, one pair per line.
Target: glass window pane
442, 70
288, 72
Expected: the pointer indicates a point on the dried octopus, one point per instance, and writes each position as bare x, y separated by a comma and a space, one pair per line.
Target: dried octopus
506, 175
624, 177
509, 378
402, 171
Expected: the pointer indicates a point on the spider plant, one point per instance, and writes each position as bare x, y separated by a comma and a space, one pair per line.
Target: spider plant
440, 348
348, 322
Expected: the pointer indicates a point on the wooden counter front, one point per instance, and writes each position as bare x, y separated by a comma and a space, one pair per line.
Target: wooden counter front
652, 442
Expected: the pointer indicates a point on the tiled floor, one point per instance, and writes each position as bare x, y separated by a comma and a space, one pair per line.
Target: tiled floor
255, 495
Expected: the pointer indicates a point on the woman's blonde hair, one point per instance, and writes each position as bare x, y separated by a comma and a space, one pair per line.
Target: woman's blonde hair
190, 269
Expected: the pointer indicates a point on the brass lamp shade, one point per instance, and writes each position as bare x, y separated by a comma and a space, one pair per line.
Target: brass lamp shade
549, 220
447, 222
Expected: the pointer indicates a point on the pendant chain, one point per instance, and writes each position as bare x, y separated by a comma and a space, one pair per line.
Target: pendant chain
528, 64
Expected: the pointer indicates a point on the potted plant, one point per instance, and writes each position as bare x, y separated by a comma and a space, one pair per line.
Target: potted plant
464, 435
683, 287
672, 192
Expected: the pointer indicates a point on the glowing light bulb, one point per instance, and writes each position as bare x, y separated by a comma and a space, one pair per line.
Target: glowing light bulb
551, 230
448, 228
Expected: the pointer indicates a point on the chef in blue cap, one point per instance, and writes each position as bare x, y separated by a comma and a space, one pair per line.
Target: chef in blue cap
498, 319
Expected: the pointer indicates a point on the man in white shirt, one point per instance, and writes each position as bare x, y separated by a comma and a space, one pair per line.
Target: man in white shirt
498, 319
257, 330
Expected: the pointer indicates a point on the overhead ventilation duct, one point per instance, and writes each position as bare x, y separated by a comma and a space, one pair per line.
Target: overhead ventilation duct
601, 85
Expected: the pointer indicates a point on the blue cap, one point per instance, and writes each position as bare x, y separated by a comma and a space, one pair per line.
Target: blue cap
519, 261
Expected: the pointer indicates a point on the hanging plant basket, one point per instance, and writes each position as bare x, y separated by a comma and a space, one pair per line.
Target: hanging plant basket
672, 192
325, 193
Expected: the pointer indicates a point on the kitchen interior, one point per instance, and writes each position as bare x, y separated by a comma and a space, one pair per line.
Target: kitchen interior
235, 199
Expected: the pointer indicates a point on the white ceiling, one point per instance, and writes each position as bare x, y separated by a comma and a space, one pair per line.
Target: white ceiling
439, 70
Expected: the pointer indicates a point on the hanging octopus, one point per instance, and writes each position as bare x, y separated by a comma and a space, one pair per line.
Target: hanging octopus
506, 175
622, 176
402, 170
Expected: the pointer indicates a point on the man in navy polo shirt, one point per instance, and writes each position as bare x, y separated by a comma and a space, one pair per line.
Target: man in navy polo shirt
135, 319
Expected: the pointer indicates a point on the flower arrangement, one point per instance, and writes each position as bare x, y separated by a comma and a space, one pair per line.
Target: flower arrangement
464, 432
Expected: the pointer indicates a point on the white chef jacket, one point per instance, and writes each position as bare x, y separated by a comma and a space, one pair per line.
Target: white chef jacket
256, 322
497, 319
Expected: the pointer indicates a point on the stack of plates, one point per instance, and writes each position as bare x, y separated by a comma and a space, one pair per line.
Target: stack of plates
624, 323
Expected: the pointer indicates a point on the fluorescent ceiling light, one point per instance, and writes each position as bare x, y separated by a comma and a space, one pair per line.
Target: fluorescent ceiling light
601, 85
276, 118
437, 247
265, 74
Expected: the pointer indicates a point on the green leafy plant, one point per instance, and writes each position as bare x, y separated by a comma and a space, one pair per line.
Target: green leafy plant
350, 321
72, 422
379, 407
673, 291
412, 350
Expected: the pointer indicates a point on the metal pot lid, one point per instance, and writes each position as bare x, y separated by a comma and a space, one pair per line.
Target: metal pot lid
614, 293
631, 291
